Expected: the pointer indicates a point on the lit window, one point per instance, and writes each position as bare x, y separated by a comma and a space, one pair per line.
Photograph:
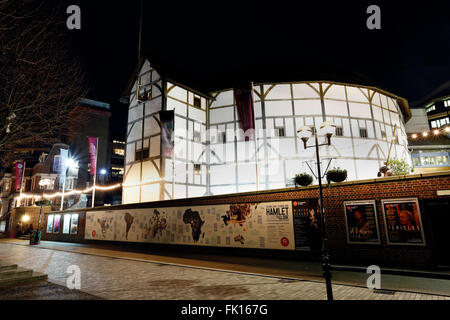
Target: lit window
383, 135
119, 152
197, 168
434, 124
416, 161
432, 108
447, 103
117, 171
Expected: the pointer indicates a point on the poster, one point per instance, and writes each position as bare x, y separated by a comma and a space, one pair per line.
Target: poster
66, 223
267, 225
50, 223
74, 224
403, 222
361, 222
307, 225
56, 223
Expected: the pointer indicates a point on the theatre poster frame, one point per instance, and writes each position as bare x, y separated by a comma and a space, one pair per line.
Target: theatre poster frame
403, 200
356, 202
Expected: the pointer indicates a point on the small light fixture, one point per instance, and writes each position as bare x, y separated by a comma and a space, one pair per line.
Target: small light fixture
447, 129
25, 218
304, 133
425, 134
414, 136
103, 171
435, 132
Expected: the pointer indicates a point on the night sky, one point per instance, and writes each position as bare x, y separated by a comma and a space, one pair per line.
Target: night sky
219, 43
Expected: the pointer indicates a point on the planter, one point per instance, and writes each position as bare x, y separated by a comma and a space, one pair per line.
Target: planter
336, 175
303, 179
35, 237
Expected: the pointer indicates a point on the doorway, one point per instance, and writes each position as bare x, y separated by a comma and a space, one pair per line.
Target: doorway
438, 212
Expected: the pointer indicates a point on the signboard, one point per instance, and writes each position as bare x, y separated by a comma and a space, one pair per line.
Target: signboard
361, 222
267, 225
306, 225
403, 222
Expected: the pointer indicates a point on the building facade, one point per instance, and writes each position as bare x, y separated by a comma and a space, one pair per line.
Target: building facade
212, 156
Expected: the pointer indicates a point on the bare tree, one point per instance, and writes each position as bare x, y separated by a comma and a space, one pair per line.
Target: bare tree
40, 82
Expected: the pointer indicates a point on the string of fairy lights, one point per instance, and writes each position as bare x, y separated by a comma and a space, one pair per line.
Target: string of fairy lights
434, 132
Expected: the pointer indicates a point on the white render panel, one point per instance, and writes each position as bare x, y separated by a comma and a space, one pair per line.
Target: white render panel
153, 106
308, 107
222, 115
359, 110
135, 132
225, 98
281, 91
336, 92
278, 108
355, 94
135, 113
178, 93
338, 108
302, 90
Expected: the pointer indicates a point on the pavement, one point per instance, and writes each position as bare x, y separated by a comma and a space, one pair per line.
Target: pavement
111, 272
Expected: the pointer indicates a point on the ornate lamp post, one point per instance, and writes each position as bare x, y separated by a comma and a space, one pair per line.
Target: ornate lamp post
305, 133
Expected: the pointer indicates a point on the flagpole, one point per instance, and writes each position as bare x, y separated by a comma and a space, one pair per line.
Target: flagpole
95, 173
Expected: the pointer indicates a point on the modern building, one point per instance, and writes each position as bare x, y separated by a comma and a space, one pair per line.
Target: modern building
429, 131
211, 154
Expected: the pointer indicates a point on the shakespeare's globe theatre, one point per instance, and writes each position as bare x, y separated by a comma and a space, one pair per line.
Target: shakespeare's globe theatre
212, 156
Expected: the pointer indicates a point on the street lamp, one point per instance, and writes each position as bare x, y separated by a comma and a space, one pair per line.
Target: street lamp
305, 133
70, 164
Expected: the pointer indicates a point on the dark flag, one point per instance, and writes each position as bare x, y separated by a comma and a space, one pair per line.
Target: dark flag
167, 127
244, 106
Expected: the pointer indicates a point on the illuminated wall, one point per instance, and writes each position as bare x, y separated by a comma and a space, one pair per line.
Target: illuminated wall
212, 156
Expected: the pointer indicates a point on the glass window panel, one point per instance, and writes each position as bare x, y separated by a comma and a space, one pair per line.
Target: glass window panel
416, 161
74, 224
66, 225
50, 223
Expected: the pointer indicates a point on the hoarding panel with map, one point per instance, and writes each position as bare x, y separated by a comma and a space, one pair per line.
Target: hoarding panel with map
267, 225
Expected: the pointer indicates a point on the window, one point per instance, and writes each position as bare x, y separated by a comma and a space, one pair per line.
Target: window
280, 132
416, 161
117, 171
141, 154
56, 163
197, 102
383, 135
339, 132
119, 152
70, 223
53, 223
447, 103
434, 124
222, 137
432, 108
69, 184
197, 168
197, 136
363, 133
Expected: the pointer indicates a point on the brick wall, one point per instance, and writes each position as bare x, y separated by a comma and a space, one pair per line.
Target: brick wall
423, 186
